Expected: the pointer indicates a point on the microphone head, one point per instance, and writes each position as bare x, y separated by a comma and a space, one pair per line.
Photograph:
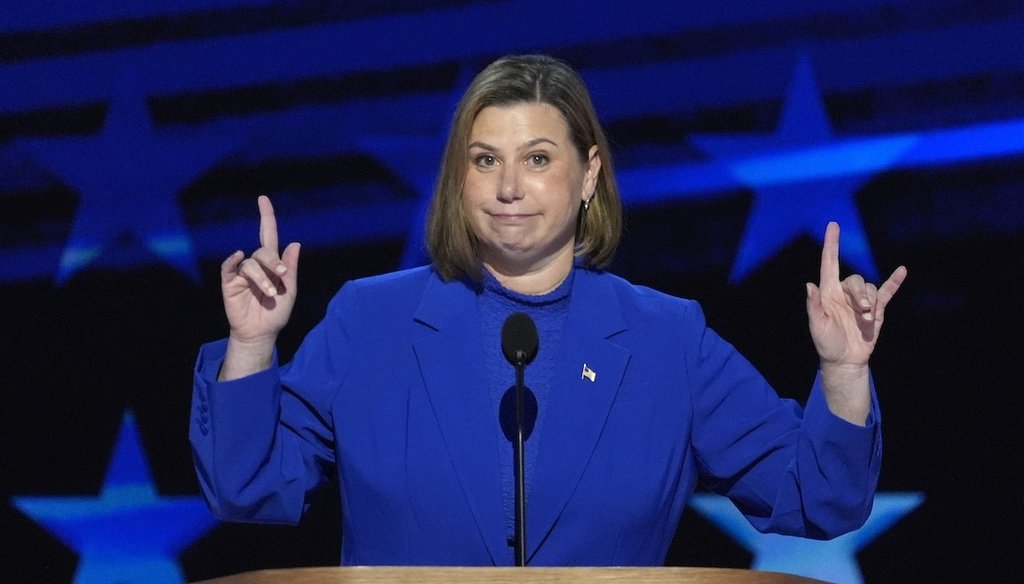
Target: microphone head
519, 340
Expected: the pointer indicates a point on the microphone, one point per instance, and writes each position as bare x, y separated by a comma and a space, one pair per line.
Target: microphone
519, 343
519, 339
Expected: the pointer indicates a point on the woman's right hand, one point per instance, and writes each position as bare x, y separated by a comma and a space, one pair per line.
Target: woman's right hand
259, 293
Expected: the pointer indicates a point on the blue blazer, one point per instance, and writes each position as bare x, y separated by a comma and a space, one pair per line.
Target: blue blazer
389, 391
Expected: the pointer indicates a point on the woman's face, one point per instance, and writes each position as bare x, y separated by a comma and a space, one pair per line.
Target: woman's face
524, 185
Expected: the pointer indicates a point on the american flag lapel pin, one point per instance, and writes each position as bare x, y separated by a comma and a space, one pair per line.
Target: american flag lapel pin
589, 373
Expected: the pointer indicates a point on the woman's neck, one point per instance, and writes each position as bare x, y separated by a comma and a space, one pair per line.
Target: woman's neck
534, 280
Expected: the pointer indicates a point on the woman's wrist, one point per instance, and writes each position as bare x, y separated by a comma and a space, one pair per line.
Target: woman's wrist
244, 358
847, 391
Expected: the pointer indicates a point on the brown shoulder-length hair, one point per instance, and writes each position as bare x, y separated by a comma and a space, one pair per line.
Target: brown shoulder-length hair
514, 79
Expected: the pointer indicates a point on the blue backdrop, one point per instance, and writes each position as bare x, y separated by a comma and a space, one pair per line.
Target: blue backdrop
134, 138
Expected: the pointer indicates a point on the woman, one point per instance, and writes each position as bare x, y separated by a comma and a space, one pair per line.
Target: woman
398, 389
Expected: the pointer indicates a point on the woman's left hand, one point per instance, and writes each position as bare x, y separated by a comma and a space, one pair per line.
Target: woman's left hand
845, 319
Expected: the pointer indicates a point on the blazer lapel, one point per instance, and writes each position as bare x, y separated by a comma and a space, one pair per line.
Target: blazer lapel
451, 361
589, 371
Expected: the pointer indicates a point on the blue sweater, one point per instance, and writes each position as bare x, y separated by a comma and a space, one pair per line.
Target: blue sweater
548, 312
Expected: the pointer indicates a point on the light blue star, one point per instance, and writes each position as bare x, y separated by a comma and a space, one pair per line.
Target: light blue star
803, 177
129, 533
128, 178
833, 561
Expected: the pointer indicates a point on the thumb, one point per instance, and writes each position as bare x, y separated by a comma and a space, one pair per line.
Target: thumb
813, 296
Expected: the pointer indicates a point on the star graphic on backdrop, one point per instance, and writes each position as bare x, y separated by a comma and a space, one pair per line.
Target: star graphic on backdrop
129, 533
416, 160
803, 177
833, 561
128, 178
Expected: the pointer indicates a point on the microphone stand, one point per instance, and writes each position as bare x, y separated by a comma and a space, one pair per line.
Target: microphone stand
519, 343
520, 462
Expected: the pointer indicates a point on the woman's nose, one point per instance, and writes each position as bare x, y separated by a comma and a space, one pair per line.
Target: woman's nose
508, 185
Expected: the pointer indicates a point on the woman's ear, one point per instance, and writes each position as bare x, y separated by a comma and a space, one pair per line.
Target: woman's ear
592, 172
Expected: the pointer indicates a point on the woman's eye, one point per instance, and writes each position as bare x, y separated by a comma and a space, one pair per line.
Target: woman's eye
538, 159
486, 160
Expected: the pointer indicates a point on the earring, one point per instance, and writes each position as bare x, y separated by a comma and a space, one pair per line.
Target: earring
586, 204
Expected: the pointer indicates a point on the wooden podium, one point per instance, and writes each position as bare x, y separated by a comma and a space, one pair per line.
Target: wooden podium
444, 575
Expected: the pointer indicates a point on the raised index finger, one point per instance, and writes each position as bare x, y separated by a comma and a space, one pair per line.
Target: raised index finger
268, 223
830, 255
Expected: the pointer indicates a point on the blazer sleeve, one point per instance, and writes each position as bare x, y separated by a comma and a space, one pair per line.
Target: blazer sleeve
263, 443
789, 469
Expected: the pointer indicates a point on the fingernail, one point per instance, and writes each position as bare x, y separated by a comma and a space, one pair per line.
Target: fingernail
271, 291
865, 303
868, 316
281, 268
